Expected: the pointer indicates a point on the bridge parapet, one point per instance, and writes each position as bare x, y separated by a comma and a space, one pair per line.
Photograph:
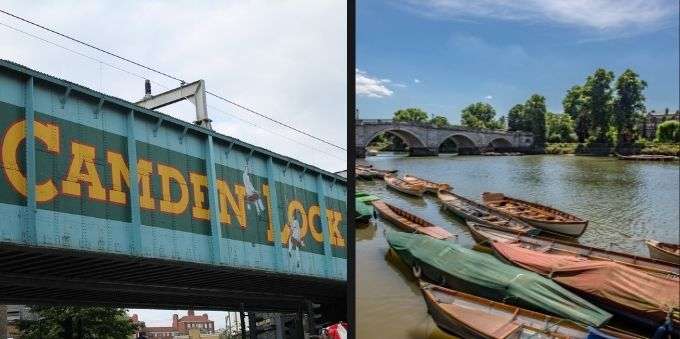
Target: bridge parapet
425, 138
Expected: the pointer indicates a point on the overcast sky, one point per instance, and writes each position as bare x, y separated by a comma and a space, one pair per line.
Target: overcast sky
286, 59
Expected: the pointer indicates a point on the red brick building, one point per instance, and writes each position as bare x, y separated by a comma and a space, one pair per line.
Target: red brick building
180, 326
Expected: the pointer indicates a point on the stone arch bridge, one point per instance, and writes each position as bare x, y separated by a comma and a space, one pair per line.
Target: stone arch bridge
425, 139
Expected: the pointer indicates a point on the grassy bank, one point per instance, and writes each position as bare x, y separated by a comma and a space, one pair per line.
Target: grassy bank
561, 148
647, 147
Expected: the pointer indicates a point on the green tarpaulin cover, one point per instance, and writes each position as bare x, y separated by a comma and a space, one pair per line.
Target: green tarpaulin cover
363, 205
491, 278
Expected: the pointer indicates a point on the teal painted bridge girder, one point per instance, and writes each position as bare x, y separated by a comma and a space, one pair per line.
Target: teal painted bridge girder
191, 194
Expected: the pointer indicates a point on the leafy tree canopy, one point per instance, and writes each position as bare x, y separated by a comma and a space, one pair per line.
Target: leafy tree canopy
480, 115
411, 115
668, 131
559, 127
535, 112
77, 323
629, 104
598, 101
439, 121
517, 120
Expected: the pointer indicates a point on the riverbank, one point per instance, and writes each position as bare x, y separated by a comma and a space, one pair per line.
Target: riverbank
649, 147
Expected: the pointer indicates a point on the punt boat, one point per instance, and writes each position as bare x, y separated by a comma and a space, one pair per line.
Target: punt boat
470, 316
543, 217
363, 207
481, 274
641, 298
484, 235
409, 222
664, 251
430, 186
404, 187
647, 157
470, 210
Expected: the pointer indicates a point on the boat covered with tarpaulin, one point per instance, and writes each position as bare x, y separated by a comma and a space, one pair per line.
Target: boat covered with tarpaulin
484, 275
624, 290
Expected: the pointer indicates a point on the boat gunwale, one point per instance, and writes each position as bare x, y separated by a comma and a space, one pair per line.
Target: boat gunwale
575, 220
589, 249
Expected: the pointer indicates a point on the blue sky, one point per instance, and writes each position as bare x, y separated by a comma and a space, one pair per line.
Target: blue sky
442, 55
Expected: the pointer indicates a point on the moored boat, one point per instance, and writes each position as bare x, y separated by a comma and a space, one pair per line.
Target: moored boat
363, 207
362, 173
402, 186
647, 157
409, 222
543, 217
430, 186
471, 316
642, 298
470, 210
484, 235
664, 251
482, 274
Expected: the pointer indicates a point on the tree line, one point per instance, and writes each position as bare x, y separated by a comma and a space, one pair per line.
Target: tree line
603, 110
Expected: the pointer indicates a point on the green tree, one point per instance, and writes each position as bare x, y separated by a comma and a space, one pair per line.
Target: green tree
516, 119
480, 115
598, 101
439, 121
559, 127
411, 115
668, 131
574, 105
78, 323
535, 112
629, 104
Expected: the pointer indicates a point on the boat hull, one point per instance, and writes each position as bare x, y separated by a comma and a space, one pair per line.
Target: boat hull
656, 251
403, 187
569, 225
484, 235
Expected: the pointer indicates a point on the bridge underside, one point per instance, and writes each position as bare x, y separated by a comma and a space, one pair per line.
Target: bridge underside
31, 275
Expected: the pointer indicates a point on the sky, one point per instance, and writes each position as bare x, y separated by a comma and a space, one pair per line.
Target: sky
251, 52
248, 51
442, 55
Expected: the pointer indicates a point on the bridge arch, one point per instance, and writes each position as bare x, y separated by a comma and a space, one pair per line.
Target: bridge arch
500, 145
411, 139
458, 143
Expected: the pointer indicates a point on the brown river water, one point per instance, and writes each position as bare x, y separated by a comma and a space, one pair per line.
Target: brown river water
624, 201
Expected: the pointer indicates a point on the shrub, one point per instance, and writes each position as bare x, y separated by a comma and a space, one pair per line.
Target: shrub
668, 131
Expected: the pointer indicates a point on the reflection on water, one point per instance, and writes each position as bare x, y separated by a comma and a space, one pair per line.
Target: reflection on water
624, 201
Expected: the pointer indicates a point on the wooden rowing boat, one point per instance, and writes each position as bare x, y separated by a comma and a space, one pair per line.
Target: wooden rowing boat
647, 157
409, 222
363, 174
471, 316
543, 217
430, 186
644, 299
402, 186
363, 208
473, 211
484, 235
664, 251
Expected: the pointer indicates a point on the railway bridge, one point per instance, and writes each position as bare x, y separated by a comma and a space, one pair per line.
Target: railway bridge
423, 139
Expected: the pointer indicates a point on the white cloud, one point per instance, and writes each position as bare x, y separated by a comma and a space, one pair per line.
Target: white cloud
597, 14
488, 97
417, 81
292, 70
371, 87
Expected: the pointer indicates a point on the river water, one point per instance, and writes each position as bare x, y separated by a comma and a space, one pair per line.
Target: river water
624, 202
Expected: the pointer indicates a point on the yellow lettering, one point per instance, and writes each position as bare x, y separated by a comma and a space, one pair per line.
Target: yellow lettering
119, 169
334, 219
144, 171
313, 213
83, 156
49, 135
238, 204
168, 174
197, 182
